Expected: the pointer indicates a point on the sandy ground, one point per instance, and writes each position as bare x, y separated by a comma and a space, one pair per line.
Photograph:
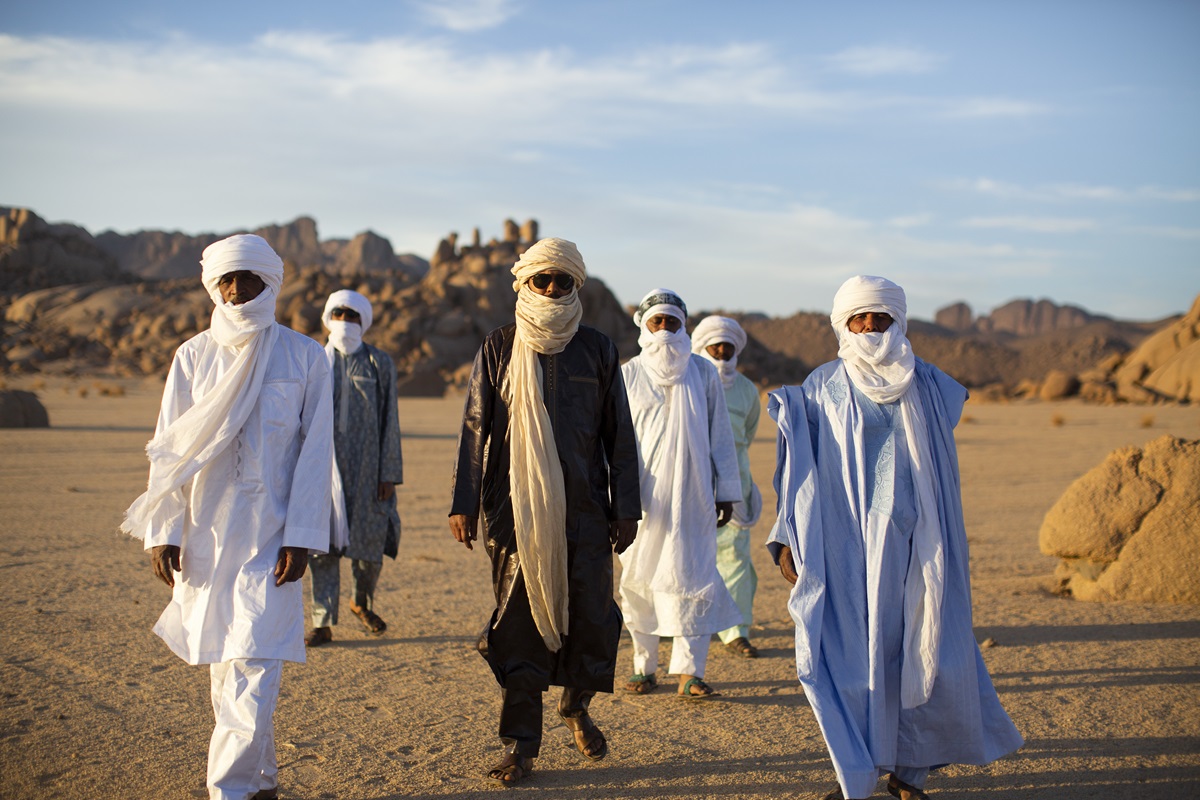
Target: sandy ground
94, 705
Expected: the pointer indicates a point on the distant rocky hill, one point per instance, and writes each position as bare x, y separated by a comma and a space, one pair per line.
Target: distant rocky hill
122, 303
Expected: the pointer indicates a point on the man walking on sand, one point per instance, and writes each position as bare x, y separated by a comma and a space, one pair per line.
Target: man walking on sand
870, 534
238, 496
547, 453
720, 341
670, 585
368, 465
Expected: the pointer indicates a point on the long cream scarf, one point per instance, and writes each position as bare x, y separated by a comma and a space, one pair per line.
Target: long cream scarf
544, 325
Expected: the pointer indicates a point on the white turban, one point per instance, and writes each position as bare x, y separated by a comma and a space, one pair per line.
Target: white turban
864, 293
245, 251
660, 301
714, 329
348, 298
550, 254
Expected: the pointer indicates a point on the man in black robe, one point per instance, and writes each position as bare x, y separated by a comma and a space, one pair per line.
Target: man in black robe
550, 527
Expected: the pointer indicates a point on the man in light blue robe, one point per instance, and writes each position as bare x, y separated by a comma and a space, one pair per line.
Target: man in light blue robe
870, 532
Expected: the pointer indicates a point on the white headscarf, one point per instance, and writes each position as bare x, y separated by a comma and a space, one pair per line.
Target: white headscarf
345, 336
539, 500
717, 330
882, 366
665, 354
219, 411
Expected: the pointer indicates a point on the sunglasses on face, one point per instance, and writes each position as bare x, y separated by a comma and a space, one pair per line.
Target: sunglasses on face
561, 280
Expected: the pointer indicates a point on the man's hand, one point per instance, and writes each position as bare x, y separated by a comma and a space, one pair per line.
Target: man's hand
164, 560
464, 528
787, 566
724, 513
293, 561
621, 533
386, 491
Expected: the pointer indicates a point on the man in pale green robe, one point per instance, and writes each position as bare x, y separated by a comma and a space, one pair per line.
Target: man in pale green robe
721, 340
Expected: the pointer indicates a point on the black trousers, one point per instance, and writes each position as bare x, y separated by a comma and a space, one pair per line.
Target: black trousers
521, 717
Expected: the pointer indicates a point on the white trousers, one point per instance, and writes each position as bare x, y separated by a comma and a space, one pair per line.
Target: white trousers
688, 654
241, 755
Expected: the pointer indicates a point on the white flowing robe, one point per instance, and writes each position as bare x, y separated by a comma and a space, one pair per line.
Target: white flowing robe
269, 489
669, 582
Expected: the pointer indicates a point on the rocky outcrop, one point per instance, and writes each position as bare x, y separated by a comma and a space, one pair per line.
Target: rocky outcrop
1166, 366
35, 254
22, 410
1033, 318
956, 317
1127, 530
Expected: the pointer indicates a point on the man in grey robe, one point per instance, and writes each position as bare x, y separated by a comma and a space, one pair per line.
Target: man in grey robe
365, 525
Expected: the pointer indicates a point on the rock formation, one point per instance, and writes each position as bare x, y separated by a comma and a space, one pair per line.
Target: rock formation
35, 254
1166, 366
1127, 530
955, 317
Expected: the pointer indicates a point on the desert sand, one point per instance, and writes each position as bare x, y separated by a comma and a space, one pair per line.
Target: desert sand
94, 705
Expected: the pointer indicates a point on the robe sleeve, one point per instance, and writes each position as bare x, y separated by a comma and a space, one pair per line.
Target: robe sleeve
620, 442
311, 493
467, 482
727, 476
391, 460
177, 398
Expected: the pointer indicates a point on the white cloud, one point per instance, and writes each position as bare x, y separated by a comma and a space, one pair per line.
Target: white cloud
1059, 192
467, 16
1168, 232
1032, 224
990, 107
911, 221
883, 60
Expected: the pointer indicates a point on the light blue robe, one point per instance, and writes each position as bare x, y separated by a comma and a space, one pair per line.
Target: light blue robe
841, 460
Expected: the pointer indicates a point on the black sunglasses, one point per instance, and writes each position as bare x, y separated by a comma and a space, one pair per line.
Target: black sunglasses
561, 280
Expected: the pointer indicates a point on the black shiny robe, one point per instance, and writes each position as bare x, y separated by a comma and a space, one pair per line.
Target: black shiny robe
585, 397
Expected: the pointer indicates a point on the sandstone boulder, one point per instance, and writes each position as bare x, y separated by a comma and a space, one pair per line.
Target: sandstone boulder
22, 410
1058, 385
1128, 529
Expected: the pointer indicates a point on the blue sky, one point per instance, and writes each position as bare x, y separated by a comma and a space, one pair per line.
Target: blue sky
751, 156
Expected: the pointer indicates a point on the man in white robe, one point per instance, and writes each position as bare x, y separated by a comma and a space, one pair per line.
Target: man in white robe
670, 585
238, 495
870, 533
720, 340
366, 436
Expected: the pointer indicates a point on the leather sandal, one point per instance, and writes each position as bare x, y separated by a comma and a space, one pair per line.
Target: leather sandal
512, 770
706, 692
589, 739
641, 684
318, 636
370, 620
898, 788
741, 647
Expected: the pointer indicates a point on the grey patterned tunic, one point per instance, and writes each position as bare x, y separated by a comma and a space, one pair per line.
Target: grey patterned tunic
366, 436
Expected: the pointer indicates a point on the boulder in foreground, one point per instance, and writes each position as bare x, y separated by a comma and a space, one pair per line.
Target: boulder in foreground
1130, 528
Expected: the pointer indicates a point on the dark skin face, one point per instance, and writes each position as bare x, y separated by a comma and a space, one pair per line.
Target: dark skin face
869, 322
240, 287
663, 322
721, 351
